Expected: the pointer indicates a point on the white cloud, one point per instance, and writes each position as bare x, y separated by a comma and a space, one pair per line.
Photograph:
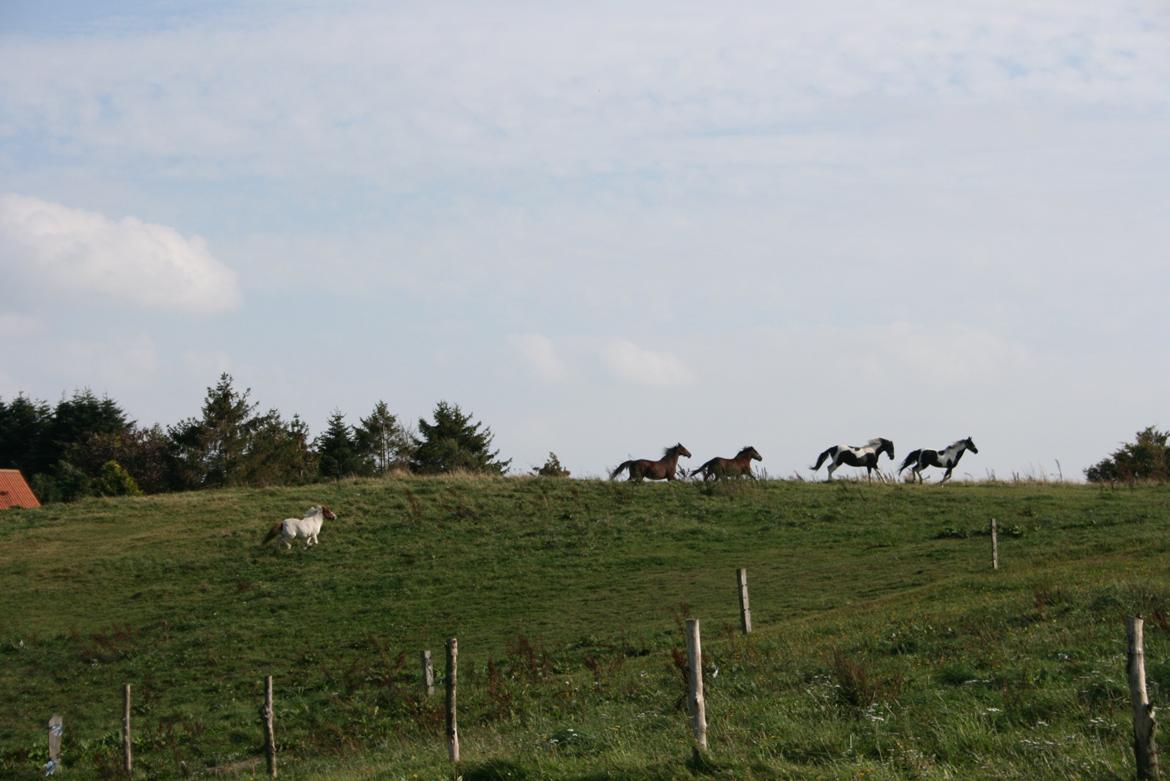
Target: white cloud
540, 356
128, 259
629, 362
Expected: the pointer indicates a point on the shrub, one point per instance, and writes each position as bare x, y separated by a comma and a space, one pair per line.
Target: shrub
1146, 458
552, 467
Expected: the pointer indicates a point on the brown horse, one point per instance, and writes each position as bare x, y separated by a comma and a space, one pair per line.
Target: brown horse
664, 468
730, 467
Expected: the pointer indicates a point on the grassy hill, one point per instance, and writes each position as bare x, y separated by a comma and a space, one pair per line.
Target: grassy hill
885, 647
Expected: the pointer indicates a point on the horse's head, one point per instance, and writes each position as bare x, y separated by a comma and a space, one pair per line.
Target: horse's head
679, 450
328, 514
750, 453
886, 446
970, 445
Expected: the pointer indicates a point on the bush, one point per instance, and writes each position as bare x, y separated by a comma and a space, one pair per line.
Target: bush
1146, 458
114, 480
552, 468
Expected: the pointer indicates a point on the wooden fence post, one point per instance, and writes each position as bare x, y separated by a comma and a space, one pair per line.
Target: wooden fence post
698, 708
745, 612
452, 721
127, 751
994, 545
428, 674
56, 730
269, 728
1144, 750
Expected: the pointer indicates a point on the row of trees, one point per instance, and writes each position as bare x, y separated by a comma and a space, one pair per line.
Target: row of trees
85, 445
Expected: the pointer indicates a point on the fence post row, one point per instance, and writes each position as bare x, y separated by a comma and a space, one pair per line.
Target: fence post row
452, 721
745, 612
1144, 750
269, 728
127, 755
698, 708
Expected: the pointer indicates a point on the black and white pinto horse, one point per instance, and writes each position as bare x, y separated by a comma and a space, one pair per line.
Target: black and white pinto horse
849, 455
946, 459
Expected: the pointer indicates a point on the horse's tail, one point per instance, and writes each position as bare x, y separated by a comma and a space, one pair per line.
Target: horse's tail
620, 467
911, 458
273, 533
821, 458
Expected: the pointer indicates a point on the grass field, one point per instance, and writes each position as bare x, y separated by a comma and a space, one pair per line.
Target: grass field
885, 647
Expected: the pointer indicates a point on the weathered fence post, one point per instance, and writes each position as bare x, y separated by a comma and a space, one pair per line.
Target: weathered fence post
452, 721
428, 674
269, 728
745, 612
994, 545
698, 708
56, 729
1144, 750
127, 752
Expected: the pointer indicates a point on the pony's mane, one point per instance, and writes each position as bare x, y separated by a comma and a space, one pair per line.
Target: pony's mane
666, 451
745, 449
956, 443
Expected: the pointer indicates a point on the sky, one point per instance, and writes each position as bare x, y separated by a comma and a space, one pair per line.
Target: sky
601, 228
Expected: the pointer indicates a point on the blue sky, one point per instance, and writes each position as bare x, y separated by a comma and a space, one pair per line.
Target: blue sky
605, 228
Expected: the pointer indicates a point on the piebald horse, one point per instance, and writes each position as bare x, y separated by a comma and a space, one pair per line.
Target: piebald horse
308, 527
730, 467
944, 459
848, 455
665, 468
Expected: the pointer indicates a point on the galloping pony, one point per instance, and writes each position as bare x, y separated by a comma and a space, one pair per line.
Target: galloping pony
944, 459
730, 467
665, 468
848, 455
308, 527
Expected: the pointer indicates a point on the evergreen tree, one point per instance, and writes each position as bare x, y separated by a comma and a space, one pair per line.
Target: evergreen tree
455, 442
73, 422
211, 451
278, 453
336, 454
23, 423
381, 441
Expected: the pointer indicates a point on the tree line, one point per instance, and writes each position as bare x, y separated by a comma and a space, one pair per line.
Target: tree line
87, 446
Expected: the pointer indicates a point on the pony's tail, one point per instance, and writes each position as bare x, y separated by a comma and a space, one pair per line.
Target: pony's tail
821, 459
911, 458
273, 533
619, 469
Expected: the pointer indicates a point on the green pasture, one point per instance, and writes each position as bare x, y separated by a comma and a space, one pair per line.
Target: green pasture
885, 647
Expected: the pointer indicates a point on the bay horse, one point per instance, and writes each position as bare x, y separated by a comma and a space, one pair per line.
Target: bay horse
730, 467
308, 527
946, 459
850, 455
665, 468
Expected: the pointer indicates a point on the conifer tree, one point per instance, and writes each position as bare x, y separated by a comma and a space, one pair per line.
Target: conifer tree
335, 448
454, 442
210, 451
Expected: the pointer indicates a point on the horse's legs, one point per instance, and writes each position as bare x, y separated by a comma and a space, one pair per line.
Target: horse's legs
832, 469
947, 476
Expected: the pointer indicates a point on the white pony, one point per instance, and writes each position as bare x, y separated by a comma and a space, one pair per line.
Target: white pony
308, 527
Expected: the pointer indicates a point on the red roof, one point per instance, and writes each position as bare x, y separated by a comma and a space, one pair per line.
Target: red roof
14, 491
